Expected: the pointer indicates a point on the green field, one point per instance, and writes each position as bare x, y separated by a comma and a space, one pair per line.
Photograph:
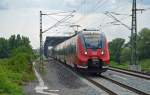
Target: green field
14, 72
145, 65
16, 56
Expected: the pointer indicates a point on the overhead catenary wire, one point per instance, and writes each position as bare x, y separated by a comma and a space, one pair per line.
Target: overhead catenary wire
99, 3
60, 21
78, 10
57, 23
52, 17
58, 13
95, 9
110, 15
120, 14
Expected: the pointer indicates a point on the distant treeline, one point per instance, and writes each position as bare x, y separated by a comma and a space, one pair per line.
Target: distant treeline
121, 51
8, 45
16, 56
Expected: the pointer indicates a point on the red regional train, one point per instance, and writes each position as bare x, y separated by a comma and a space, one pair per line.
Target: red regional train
86, 51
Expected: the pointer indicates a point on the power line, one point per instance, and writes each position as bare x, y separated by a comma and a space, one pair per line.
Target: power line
110, 15
99, 3
60, 21
58, 13
134, 57
41, 32
120, 14
99, 6
81, 5
52, 17
114, 13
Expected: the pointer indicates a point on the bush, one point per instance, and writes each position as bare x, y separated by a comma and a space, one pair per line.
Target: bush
15, 64
145, 65
8, 87
14, 71
125, 55
123, 65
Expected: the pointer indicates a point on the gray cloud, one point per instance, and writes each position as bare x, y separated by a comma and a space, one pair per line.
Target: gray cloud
95, 6
3, 5
24, 16
47, 4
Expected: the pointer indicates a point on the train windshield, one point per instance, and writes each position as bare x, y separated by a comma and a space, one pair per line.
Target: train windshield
94, 40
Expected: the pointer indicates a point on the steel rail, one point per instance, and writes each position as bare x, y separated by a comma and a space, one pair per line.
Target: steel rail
136, 74
109, 79
101, 86
126, 86
148, 74
88, 79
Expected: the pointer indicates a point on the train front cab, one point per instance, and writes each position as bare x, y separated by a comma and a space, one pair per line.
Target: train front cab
92, 53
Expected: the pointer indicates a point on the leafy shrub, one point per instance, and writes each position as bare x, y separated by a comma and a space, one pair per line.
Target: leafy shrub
14, 71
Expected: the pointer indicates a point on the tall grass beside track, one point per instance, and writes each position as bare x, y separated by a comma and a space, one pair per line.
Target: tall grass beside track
14, 72
145, 65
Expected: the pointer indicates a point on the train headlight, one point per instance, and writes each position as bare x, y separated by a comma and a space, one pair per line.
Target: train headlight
102, 52
85, 52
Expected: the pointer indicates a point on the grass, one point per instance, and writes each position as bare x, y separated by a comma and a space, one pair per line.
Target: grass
14, 72
122, 66
145, 65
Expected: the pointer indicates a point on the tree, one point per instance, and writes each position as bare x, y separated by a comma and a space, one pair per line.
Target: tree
25, 42
125, 54
143, 43
4, 51
18, 40
115, 49
12, 42
7, 47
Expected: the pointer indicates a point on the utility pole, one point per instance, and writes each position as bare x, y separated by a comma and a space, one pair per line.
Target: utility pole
41, 43
68, 16
134, 58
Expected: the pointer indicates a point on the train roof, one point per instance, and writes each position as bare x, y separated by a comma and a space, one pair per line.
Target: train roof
55, 40
92, 32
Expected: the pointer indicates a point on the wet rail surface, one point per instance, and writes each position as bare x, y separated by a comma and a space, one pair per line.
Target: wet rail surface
140, 92
125, 88
133, 73
62, 81
138, 83
113, 86
86, 76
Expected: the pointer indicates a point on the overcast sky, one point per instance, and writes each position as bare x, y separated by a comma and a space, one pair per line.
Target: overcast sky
22, 17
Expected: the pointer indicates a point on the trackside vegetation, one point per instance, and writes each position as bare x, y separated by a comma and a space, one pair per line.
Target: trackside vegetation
121, 51
16, 56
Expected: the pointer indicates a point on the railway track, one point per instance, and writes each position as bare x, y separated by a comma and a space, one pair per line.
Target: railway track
114, 82
126, 86
144, 73
132, 90
110, 91
132, 73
